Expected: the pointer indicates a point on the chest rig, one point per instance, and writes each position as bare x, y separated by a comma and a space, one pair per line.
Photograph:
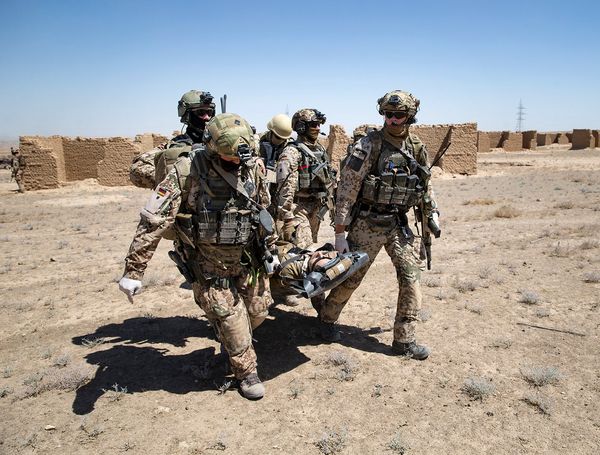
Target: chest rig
396, 182
314, 171
223, 215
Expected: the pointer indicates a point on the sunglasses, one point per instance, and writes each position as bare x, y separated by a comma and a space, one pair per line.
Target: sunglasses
203, 112
314, 124
397, 114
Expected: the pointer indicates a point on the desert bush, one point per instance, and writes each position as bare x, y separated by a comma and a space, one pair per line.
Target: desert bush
591, 277
561, 251
7, 372
589, 244
528, 297
541, 376
332, 442
542, 312
93, 342
506, 211
478, 388
62, 244
70, 378
482, 201
474, 308
432, 282
295, 391
565, 205
5, 391
485, 272
424, 314
397, 445
464, 285
348, 367
115, 393
62, 360
542, 403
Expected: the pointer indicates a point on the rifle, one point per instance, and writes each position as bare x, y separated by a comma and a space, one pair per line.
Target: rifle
429, 224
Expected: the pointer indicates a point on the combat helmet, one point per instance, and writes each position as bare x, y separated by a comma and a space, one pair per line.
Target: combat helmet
303, 117
399, 101
195, 100
281, 126
229, 135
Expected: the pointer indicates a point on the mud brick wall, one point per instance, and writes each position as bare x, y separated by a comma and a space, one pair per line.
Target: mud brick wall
113, 170
338, 142
461, 157
495, 138
45, 162
544, 139
483, 142
435, 138
561, 138
569, 137
81, 157
512, 142
582, 139
596, 134
530, 139
148, 141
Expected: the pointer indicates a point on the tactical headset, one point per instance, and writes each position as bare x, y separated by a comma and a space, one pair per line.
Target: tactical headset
301, 126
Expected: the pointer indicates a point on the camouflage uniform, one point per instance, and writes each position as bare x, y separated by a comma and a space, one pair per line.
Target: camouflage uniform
269, 152
302, 195
234, 301
17, 166
142, 169
372, 225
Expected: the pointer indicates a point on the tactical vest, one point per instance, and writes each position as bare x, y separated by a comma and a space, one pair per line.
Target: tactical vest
314, 170
396, 181
222, 215
165, 160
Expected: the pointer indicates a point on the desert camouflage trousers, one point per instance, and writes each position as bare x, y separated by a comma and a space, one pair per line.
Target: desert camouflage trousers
19, 179
235, 309
308, 222
365, 235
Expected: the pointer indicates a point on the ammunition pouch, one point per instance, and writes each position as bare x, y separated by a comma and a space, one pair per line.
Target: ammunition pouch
229, 227
396, 189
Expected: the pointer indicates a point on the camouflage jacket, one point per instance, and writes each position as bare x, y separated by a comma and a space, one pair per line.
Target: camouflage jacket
17, 164
365, 155
287, 179
169, 200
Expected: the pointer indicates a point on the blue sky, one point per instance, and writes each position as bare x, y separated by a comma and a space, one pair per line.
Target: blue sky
118, 68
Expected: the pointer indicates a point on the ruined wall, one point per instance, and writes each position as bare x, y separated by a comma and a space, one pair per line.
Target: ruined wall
495, 138
544, 139
596, 134
461, 157
561, 138
435, 137
530, 139
81, 157
483, 142
148, 141
45, 162
582, 139
337, 144
511, 142
113, 169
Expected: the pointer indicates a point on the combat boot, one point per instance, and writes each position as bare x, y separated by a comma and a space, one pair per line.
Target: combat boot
329, 331
412, 349
251, 387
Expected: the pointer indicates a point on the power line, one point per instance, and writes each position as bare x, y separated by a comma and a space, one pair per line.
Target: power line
520, 116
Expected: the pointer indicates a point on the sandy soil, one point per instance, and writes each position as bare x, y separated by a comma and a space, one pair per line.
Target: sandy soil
520, 245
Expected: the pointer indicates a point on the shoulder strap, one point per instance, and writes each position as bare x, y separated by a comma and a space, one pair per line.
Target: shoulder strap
303, 148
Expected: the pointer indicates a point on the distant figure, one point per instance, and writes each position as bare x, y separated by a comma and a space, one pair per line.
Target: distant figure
17, 166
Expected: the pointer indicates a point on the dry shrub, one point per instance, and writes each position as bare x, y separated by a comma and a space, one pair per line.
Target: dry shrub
565, 205
529, 297
592, 277
397, 445
332, 442
478, 388
68, 378
348, 366
501, 342
542, 403
479, 202
506, 211
464, 284
561, 251
589, 244
540, 376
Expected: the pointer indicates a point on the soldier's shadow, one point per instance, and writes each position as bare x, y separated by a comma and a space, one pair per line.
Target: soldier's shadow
137, 368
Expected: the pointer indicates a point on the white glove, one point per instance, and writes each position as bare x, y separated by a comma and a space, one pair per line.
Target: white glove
341, 244
130, 287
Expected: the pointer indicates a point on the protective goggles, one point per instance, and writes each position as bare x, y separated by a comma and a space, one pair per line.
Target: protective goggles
203, 112
398, 114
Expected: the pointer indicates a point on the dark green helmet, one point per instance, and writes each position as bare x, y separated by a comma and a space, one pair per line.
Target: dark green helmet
195, 100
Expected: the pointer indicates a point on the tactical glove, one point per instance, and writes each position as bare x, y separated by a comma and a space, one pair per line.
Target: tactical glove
341, 244
130, 287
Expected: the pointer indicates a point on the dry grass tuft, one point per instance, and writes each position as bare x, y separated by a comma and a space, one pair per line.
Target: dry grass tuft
506, 211
541, 376
589, 244
529, 297
565, 205
591, 277
561, 251
68, 378
397, 445
332, 442
464, 285
482, 201
478, 388
542, 403
348, 367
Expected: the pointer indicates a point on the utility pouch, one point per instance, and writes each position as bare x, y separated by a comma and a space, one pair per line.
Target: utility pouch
369, 191
184, 227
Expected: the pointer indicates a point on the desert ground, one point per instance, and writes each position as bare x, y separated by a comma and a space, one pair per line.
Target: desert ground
84, 371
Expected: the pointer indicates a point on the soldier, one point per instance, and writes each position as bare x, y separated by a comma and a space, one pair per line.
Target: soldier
212, 200
17, 167
386, 174
272, 143
215, 198
194, 109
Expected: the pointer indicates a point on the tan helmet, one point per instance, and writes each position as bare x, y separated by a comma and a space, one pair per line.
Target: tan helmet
281, 126
225, 134
302, 117
397, 100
